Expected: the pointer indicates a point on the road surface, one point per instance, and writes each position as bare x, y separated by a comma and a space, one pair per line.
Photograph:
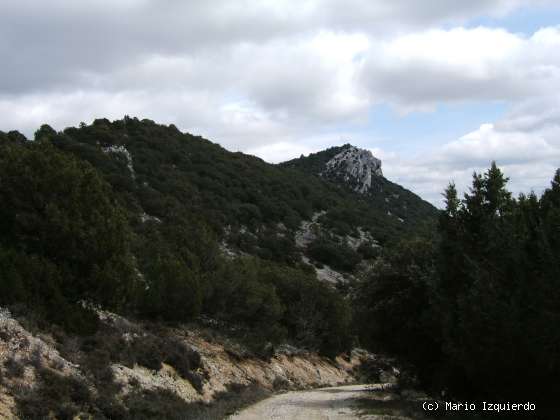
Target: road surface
337, 403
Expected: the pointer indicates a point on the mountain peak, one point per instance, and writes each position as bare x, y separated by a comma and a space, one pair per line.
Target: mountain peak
354, 166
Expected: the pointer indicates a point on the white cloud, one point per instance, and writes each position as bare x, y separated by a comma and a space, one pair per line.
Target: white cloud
280, 152
525, 144
280, 78
488, 143
418, 70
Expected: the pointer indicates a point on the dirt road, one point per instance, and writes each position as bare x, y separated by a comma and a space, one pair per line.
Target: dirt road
338, 403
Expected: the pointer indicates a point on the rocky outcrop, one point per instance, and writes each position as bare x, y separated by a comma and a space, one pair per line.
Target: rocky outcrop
123, 151
308, 230
354, 166
22, 356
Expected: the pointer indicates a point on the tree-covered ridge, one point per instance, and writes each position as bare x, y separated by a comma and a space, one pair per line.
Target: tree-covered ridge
178, 171
236, 195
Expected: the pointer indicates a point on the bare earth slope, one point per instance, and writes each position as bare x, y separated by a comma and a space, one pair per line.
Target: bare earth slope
25, 355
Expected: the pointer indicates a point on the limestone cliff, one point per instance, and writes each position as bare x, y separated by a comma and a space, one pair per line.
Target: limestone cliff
354, 166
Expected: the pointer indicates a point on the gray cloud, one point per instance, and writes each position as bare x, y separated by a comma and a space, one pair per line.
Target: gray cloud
275, 77
61, 42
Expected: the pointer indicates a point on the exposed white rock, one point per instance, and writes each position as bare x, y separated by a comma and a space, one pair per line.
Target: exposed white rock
355, 166
31, 352
20, 344
364, 237
123, 151
308, 230
145, 217
329, 275
229, 252
325, 273
164, 379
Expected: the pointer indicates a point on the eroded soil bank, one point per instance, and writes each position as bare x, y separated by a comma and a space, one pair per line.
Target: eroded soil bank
129, 368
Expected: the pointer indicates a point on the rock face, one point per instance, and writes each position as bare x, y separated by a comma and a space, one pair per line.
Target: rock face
355, 167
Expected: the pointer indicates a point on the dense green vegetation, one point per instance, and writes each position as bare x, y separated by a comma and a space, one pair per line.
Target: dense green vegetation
129, 215
476, 309
63, 239
178, 175
335, 253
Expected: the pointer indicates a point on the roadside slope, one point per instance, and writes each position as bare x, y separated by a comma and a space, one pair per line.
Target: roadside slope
114, 373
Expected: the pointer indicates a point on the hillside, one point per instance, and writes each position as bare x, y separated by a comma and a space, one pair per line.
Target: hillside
159, 171
167, 229
247, 205
134, 215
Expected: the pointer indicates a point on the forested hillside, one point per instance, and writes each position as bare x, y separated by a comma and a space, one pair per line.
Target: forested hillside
160, 171
139, 217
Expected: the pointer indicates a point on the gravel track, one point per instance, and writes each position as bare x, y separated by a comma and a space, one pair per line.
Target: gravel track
336, 403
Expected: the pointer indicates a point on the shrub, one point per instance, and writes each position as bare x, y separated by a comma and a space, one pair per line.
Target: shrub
183, 359
368, 251
335, 254
63, 238
59, 395
14, 367
173, 292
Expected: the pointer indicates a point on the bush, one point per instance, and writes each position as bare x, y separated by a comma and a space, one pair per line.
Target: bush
173, 290
335, 254
157, 404
368, 251
14, 368
56, 394
394, 304
270, 303
62, 236
183, 359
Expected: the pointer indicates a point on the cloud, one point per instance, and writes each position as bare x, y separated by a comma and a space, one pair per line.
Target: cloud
324, 77
419, 70
488, 143
280, 152
58, 43
525, 144
278, 78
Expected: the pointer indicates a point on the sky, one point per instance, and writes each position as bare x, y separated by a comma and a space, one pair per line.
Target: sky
436, 89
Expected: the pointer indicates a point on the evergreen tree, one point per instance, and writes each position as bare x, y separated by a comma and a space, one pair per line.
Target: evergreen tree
68, 238
493, 301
